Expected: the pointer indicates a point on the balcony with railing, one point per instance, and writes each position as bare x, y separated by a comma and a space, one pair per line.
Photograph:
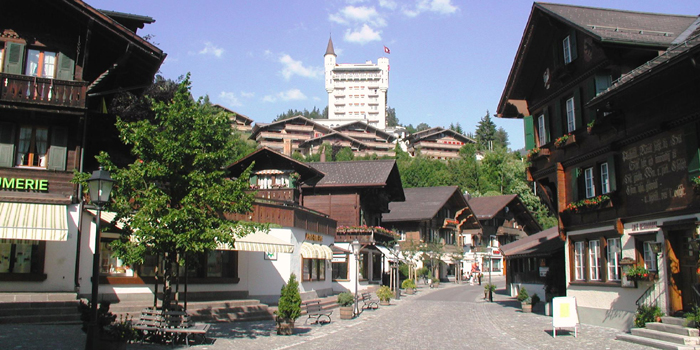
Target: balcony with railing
42, 91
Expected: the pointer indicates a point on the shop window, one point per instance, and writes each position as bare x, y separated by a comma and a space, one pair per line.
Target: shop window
340, 268
579, 263
376, 267
649, 257
594, 260
314, 269
22, 257
110, 264
210, 264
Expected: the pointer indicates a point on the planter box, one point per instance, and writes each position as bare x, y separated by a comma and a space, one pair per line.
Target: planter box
346, 312
285, 327
527, 308
410, 291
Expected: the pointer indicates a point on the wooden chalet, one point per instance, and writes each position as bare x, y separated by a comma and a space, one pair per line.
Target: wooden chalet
433, 215
437, 143
61, 62
287, 135
609, 102
239, 122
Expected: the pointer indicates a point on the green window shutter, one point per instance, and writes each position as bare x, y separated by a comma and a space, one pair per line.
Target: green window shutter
690, 138
559, 121
254, 180
602, 83
572, 41
611, 173
575, 177
7, 144
591, 93
66, 67
529, 133
58, 149
14, 58
547, 133
578, 113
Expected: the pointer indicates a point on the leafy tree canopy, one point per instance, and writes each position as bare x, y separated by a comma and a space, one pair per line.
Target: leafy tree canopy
315, 113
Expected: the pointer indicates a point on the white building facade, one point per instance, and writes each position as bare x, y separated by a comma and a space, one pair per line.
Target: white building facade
356, 91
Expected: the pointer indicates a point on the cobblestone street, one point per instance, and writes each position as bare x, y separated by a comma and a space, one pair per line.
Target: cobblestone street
450, 317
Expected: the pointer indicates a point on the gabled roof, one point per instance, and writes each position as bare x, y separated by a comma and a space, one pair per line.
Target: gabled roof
606, 26
266, 158
437, 131
618, 26
424, 203
129, 20
381, 173
294, 120
364, 126
333, 134
677, 53
238, 116
543, 243
486, 208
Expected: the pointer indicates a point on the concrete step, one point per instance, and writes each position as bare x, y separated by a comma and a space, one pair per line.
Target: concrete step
205, 311
12, 297
672, 328
678, 321
669, 337
654, 343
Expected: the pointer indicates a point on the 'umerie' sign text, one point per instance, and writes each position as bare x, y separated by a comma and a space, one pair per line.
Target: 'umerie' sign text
9, 183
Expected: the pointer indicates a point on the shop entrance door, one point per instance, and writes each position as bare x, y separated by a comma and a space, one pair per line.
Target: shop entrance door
682, 266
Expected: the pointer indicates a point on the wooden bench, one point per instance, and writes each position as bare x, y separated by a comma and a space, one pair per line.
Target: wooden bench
149, 325
177, 326
368, 302
314, 311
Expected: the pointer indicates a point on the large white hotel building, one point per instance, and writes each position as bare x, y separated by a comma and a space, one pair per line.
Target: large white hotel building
355, 91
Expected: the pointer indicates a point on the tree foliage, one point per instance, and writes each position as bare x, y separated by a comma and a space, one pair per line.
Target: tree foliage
391, 119
315, 113
173, 196
485, 132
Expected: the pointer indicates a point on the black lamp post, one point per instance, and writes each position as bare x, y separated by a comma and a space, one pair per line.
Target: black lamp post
99, 188
397, 249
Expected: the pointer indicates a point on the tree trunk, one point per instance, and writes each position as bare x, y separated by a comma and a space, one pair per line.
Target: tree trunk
167, 280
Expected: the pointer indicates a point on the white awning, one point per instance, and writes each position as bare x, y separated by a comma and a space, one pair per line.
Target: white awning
259, 242
34, 222
316, 251
108, 216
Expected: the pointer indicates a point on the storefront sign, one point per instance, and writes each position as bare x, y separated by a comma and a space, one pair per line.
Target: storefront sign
644, 226
314, 238
9, 183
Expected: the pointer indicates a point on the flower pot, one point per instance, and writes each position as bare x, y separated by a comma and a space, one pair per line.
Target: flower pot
410, 291
526, 307
285, 327
384, 302
346, 312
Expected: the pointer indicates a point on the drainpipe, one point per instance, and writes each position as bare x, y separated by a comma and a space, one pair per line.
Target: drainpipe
76, 277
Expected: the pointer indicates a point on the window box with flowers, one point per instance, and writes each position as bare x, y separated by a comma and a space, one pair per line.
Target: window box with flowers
695, 181
594, 203
639, 273
565, 140
537, 152
365, 230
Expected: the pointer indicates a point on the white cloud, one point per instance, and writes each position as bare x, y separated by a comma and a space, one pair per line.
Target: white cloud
444, 7
358, 15
210, 49
363, 36
247, 94
289, 95
294, 67
389, 4
230, 99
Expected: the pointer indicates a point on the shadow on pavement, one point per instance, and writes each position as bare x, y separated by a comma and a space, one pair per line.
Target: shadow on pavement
251, 330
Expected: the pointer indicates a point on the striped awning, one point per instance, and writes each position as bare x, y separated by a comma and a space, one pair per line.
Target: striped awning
34, 222
259, 242
316, 251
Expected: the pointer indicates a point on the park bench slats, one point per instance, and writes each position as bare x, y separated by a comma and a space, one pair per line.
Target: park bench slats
315, 311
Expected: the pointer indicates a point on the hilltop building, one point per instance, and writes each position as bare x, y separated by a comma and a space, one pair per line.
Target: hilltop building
356, 91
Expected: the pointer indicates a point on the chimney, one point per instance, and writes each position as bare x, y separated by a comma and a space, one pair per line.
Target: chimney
287, 148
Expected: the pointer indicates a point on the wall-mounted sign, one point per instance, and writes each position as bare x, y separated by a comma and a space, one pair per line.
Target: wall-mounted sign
10, 183
644, 226
314, 237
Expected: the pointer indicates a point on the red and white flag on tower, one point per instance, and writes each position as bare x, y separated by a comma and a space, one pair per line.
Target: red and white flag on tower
386, 49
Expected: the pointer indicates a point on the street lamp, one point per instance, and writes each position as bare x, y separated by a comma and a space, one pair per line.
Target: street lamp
397, 247
356, 246
490, 267
99, 188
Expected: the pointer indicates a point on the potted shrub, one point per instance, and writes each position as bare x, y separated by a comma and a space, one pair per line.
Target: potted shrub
289, 308
489, 288
384, 294
409, 286
346, 301
435, 281
113, 334
524, 299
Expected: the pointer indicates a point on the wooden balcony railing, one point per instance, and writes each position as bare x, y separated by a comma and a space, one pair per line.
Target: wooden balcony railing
42, 91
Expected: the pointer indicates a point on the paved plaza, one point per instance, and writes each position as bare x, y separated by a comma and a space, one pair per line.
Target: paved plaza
449, 317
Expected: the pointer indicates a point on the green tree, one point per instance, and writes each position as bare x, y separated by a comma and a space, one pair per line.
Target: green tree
173, 195
422, 126
344, 154
501, 138
485, 132
315, 113
391, 119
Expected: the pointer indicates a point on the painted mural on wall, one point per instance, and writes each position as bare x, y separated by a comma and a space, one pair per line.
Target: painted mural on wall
655, 176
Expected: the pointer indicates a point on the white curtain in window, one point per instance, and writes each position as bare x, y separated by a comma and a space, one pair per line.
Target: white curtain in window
25, 137
579, 260
32, 68
649, 257
614, 252
42, 142
49, 65
594, 259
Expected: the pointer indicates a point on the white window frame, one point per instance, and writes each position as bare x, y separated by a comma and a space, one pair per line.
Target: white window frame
614, 254
579, 260
567, 49
649, 257
542, 129
594, 260
589, 182
604, 178
570, 115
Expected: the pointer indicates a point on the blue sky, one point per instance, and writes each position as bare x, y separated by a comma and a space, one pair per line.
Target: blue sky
449, 59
